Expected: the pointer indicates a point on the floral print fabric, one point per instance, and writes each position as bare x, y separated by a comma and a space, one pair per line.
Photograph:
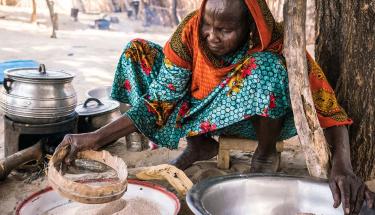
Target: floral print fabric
164, 110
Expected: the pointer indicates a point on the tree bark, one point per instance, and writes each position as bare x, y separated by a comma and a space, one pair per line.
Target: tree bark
33, 14
329, 38
82, 5
110, 6
53, 15
276, 7
346, 51
174, 12
309, 131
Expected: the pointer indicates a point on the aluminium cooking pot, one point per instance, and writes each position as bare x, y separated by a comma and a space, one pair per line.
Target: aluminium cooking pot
38, 96
94, 114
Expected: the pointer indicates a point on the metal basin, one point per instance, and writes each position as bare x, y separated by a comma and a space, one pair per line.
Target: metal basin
100, 92
263, 195
105, 93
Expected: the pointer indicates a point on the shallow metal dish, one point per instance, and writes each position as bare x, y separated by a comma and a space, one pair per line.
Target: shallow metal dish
100, 92
105, 93
263, 195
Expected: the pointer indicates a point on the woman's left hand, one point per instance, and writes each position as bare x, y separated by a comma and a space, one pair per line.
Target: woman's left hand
350, 190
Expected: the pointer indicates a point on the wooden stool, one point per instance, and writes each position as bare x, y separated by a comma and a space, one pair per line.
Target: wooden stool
234, 143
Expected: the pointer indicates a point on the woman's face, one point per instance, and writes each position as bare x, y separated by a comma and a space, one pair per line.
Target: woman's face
225, 26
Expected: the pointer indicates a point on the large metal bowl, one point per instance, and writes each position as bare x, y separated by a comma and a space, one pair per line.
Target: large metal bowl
105, 93
100, 92
263, 195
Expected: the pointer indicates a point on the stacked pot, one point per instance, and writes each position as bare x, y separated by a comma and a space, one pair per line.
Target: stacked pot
94, 114
38, 96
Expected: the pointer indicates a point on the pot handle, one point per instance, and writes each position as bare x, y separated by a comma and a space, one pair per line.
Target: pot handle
42, 69
90, 100
7, 83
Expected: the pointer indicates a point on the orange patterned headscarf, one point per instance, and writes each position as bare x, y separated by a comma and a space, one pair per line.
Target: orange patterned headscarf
185, 49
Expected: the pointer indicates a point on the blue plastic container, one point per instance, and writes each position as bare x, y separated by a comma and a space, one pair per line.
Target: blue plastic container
16, 64
102, 24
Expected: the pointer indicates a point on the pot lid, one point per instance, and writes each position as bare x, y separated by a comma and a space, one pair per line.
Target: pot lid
94, 106
38, 73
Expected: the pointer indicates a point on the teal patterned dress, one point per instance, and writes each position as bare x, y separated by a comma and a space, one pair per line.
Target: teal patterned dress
164, 111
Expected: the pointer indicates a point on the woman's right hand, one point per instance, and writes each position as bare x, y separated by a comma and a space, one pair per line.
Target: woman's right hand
76, 143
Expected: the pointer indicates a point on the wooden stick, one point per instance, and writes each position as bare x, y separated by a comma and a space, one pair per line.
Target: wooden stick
308, 128
33, 153
172, 174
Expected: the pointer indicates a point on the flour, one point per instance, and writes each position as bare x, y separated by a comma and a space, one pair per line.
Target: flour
134, 206
139, 206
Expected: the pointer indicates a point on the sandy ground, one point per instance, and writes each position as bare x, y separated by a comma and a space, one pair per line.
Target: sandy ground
19, 186
92, 56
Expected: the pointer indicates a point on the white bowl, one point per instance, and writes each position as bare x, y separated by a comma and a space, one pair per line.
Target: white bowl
47, 201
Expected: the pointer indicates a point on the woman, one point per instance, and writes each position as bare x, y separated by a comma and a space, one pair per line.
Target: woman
222, 73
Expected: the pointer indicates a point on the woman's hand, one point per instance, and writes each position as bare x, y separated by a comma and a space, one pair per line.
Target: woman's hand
97, 139
346, 187
76, 143
350, 190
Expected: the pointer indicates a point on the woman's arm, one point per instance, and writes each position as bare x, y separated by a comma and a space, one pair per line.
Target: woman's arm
346, 187
338, 139
97, 139
150, 112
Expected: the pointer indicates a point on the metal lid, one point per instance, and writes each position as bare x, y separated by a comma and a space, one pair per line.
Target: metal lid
94, 106
38, 74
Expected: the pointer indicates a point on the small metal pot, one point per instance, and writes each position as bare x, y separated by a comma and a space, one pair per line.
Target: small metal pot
94, 114
36, 96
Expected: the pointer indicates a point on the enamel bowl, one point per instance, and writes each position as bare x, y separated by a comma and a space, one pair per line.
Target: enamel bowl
48, 202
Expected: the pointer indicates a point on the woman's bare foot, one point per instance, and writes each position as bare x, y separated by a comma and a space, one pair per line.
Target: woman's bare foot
265, 163
198, 148
266, 159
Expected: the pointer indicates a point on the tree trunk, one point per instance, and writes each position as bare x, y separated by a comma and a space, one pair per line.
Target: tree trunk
123, 5
309, 131
33, 14
329, 38
82, 5
79, 5
345, 50
110, 6
174, 12
276, 7
53, 15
